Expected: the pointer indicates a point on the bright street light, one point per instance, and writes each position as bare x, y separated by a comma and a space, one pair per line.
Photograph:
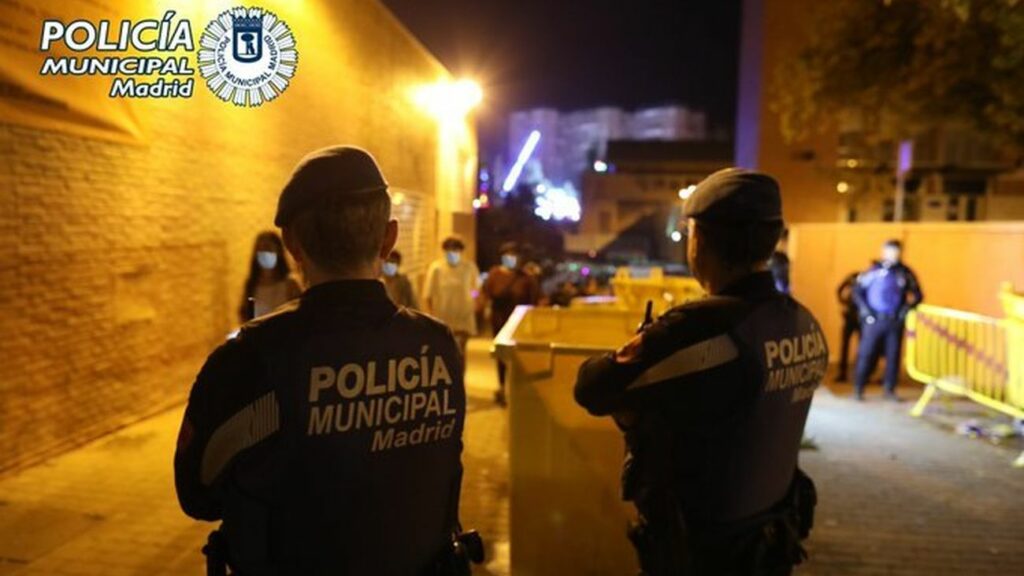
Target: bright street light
449, 100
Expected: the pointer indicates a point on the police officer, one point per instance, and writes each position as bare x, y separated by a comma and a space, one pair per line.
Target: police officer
884, 294
851, 321
327, 435
713, 397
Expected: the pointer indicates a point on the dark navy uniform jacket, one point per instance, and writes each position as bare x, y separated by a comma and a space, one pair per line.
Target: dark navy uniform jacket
327, 436
732, 377
887, 290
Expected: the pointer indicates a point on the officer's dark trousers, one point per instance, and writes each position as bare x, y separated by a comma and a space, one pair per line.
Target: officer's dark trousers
884, 335
851, 326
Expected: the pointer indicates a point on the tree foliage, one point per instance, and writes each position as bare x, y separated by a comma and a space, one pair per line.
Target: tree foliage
904, 66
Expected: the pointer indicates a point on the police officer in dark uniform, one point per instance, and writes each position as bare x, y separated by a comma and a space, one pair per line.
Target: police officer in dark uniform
713, 398
883, 295
327, 436
851, 321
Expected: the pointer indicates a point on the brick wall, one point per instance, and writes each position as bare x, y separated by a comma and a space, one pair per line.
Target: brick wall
122, 264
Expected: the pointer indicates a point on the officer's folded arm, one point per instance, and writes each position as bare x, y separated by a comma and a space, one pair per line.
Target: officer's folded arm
621, 382
218, 393
601, 384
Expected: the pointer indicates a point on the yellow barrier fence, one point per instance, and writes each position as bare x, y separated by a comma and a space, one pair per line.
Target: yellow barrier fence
965, 354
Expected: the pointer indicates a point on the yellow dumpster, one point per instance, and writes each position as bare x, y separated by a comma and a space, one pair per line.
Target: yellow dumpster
634, 290
566, 516
594, 302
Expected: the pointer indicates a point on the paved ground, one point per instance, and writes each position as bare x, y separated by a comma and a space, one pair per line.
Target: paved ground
898, 497
485, 490
901, 496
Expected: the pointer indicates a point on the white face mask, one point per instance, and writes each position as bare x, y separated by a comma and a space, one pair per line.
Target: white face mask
890, 255
509, 261
389, 268
453, 257
266, 260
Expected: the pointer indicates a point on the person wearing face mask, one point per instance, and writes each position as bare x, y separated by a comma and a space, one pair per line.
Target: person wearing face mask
506, 287
883, 295
270, 282
448, 290
712, 398
397, 284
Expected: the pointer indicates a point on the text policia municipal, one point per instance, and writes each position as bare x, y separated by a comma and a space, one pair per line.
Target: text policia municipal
164, 35
405, 401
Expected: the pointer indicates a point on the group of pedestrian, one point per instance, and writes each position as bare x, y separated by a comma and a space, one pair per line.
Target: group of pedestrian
452, 289
326, 435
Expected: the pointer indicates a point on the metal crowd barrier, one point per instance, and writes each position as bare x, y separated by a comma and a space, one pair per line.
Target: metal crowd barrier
964, 354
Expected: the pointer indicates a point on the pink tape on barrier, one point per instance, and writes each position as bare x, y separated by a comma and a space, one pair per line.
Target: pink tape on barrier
987, 360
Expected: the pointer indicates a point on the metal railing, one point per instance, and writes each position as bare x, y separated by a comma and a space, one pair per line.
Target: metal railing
964, 354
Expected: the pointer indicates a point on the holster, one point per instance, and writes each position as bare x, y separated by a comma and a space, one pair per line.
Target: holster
767, 544
671, 543
458, 556
803, 499
242, 544
661, 551
215, 551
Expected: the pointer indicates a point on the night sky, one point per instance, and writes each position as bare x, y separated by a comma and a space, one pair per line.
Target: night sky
571, 54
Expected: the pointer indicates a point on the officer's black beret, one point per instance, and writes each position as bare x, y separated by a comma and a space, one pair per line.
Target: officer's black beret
328, 172
735, 196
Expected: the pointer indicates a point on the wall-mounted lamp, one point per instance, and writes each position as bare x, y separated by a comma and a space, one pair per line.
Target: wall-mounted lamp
449, 100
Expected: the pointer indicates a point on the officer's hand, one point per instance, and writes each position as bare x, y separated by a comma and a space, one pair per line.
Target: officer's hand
630, 351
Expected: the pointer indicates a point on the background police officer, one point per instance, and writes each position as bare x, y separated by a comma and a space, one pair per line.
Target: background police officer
713, 397
327, 435
851, 321
884, 294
